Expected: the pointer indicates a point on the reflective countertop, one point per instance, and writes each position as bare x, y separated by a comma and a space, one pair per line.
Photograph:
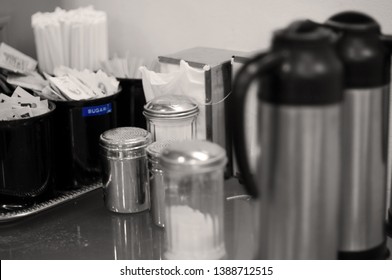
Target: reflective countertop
85, 229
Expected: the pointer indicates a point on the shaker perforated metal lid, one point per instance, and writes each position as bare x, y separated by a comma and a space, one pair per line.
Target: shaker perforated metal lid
171, 106
154, 150
193, 155
125, 138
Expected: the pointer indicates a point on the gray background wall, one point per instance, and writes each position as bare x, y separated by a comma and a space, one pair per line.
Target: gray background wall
18, 32
149, 28
154, 27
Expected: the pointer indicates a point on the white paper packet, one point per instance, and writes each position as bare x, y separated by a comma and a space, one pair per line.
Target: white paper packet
24, 95
15, 61
31, 80
68, 88
49, 93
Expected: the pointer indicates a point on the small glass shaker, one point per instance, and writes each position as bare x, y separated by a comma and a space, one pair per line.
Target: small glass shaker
157, 184
171, 117
124, 169
193, 172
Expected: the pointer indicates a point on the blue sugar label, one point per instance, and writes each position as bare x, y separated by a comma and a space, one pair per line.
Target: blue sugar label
97, 110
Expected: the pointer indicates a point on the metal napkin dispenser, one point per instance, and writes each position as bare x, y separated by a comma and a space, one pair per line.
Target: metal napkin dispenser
217, 90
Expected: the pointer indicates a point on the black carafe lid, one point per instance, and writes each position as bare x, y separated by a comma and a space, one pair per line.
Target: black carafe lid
311, 74
365, 57
302, 33
353, 22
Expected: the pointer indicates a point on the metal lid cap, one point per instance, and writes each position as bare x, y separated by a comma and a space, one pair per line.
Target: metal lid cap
125, 138
171, 106
193, 155
154, 150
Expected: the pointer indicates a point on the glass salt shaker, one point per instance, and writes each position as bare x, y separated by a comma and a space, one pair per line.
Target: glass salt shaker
193, 172
171, 117
124, 169
157, 184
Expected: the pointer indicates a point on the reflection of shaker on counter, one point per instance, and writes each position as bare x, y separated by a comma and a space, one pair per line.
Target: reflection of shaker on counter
194, 200
132, 237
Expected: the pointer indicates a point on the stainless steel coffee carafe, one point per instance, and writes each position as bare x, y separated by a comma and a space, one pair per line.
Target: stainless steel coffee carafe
366, 61
298, 171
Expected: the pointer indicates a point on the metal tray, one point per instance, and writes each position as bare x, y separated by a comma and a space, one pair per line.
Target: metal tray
63, 197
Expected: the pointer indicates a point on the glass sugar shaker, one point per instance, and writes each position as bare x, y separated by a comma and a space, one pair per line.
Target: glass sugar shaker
171, 117
193, 171
124, 169
157, 184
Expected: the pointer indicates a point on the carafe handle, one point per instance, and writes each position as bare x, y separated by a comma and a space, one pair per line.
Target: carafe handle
256, 67
387, 40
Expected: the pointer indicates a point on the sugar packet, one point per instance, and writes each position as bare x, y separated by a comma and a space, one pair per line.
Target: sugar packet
21, 104
31, 80
15, 61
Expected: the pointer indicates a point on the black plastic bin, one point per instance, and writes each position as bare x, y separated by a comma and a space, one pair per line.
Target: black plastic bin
26, 159
130, 103
77, 126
